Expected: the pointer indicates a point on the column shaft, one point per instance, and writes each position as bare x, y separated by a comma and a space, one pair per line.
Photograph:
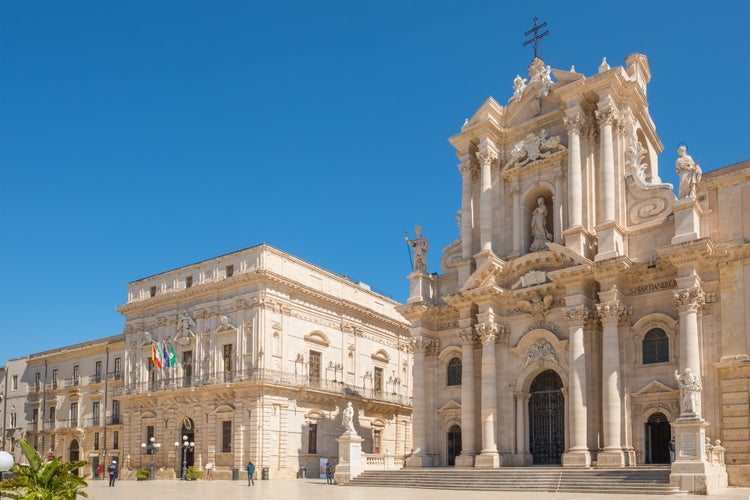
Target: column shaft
575, 189
468, 404
489, 393
486, 203
466, 213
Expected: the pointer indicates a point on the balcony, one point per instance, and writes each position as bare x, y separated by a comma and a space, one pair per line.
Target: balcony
68, 423
94, 421
259, 376
114, 420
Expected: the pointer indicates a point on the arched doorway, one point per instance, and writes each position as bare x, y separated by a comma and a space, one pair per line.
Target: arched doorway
453, 441
546, 419
188, 452
75, 454
658, 432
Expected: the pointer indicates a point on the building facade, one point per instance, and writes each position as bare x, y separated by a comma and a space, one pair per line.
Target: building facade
249, 356
583, 296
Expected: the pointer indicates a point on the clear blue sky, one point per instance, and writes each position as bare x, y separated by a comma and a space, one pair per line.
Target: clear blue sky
141, 136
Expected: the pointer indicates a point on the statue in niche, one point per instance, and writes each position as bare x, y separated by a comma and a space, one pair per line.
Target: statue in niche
348, 419
689, 172
539, 231
690, 389
420, 246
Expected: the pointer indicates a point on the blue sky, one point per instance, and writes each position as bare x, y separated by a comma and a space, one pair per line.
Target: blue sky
141, 136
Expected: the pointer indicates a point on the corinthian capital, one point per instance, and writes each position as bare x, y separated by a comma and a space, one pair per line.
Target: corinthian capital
487, 157
573, 122
578, 316
487, 332
606, 116
421, 344
689, 299
612, 311
468, 337
466, 167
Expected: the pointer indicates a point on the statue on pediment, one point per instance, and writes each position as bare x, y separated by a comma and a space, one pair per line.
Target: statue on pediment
519, 85
539, 231
420, 246
690, 173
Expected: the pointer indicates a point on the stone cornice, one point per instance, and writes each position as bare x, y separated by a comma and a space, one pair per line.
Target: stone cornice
690, 253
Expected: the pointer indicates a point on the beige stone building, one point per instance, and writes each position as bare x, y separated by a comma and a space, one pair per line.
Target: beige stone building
581, 288
264, 351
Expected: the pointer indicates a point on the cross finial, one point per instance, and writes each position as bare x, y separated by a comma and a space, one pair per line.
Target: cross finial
537, 37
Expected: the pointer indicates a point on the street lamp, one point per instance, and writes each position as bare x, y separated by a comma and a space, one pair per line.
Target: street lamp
6, 462
152, 448
186, 445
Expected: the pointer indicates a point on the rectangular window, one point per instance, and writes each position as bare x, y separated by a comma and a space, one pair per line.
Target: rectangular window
377, 382
74, 414
52, 415
152, 291
118, 368
227, 362
116, 440
115, 411
95, 412
96, 440
226, 436
98, 372
15, 382
34, 417
149, 435
54, 378
230, 271
376, 439
188, 282
312, 439
314, 367
37, 381
76, 374
187, 367
13, 419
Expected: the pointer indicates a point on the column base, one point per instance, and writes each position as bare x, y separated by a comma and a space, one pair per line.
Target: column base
698, 478
487, 460
418, 461
465, 460
576, 459
614, 458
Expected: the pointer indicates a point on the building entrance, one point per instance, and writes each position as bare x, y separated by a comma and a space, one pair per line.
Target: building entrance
454, 444
658, 433
546, 419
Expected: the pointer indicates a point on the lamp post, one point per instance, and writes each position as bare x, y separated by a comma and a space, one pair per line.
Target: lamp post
186, 445
6, 462
152, 448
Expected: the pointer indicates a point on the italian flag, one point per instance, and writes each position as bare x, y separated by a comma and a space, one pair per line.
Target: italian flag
155, 355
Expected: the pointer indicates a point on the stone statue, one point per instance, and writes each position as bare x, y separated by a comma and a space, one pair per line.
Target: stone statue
519, 85
539, 227
348, 419
689, 172
690, 388
420, 246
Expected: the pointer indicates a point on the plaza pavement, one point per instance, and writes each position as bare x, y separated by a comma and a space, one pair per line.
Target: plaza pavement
316, 489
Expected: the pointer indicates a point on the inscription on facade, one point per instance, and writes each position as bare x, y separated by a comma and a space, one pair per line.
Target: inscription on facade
687, 446
653, 287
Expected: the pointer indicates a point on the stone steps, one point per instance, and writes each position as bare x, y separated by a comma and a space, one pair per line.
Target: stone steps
639, 481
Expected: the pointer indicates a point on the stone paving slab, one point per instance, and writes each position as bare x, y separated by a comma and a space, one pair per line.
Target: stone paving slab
316, 489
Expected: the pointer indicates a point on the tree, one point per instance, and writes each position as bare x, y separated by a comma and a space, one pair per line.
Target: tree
44, 481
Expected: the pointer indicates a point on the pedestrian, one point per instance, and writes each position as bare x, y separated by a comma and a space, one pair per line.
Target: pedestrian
329, 473
112, 469
99, 471
671, 450
250, 473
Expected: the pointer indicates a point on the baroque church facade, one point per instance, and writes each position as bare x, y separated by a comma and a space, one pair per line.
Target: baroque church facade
252, 355
586, 314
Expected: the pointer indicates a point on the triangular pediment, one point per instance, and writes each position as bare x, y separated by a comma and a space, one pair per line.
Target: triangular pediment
654, 387
485, 274
538, 268
491, 111
450, 405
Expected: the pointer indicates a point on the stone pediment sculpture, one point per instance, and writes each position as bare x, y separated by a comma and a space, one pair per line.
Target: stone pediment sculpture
690, 173
538, 305
532, 148
185, 329
531, 278
539, 352
690, 389
348, 419
225, 325
647, 199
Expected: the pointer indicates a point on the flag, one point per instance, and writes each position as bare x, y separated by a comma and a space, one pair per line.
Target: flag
172, 355
165, 353
155, 356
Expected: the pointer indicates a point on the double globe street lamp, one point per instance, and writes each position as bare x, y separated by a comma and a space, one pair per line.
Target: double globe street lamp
152, 448
6, 462
186, 445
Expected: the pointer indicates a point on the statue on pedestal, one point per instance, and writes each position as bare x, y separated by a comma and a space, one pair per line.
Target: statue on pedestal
420, 246
348, 419
689, 172
690, 388
539, 231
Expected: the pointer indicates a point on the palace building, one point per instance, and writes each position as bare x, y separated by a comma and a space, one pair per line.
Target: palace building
249, 356
586, 314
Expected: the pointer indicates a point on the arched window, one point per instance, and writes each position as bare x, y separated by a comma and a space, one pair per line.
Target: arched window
454, 371
655, 347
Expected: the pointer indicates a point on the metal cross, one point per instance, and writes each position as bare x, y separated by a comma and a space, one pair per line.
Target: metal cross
537, 37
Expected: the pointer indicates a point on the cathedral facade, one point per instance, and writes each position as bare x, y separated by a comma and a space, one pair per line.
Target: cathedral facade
586, 314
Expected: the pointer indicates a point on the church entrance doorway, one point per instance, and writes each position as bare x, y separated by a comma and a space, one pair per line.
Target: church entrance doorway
546, 419
453, 439
75, 455
658, 432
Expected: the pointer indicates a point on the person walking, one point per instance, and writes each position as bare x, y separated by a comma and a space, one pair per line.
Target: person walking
671, 450
250, 473
112, 469
329, 473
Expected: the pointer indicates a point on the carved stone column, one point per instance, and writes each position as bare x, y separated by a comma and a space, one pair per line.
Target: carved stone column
606, 116
689, 302
486, 158
612, 454
557, 208
575, 182
489, 456
515, 191
468, 403
521, 457
578, 454
419, 411
467, 169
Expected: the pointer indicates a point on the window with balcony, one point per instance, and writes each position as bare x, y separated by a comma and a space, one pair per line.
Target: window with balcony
377, 381
95, 413
76, 374
115, 411
74, 414
52, 415
37, 381
118, 368
187, 367
116, 440
226, 436
98, 372
314, 366
54, 378
227, 362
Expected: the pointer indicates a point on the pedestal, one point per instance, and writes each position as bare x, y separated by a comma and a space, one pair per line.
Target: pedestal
686, 221
576, 459
420, 289
610, 241
350, 458
691, 471
465, 460
578, 240
487, 460
611, 459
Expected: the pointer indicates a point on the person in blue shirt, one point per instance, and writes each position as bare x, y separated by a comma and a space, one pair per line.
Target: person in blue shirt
112, 470
250, 473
